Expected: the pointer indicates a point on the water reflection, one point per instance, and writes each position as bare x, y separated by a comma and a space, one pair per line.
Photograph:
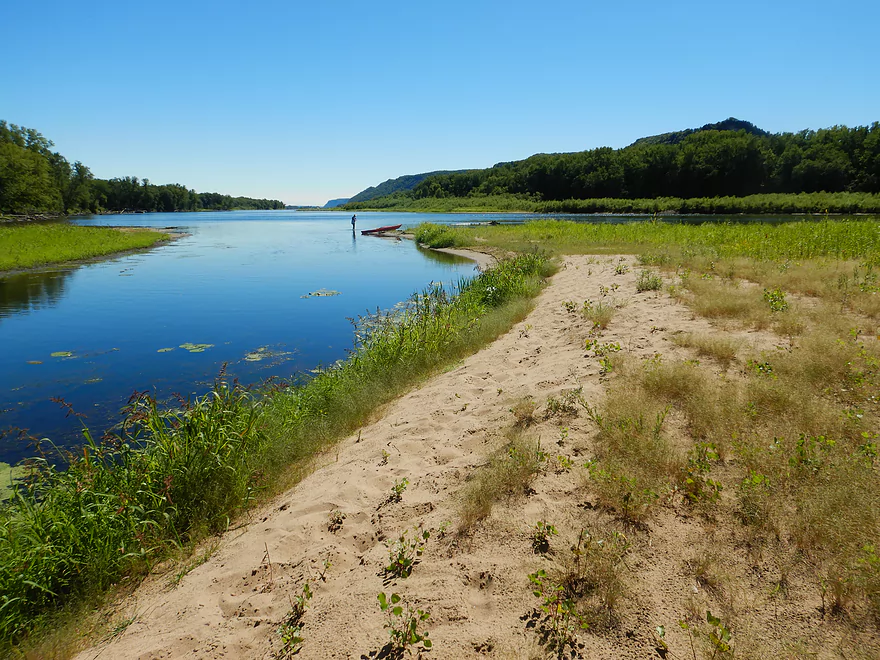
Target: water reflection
30, 292
443, 257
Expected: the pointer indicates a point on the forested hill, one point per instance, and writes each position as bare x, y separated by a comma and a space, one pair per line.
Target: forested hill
703, 163
729, 124
35, 179
400, 184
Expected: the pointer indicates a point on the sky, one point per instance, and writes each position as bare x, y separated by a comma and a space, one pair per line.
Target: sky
305, 102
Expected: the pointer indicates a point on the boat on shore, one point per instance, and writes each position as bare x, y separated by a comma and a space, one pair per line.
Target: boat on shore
379, 230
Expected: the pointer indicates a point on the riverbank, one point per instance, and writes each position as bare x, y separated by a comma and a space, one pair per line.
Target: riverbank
766, 204
609, 459
28, 246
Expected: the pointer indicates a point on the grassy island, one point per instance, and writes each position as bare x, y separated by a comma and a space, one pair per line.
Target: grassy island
28, 245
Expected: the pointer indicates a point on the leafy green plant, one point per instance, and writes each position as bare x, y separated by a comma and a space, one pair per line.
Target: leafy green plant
404, 624
291, 629
398, 489
775, 298
621, 269
404, 552
541, 536
562, 619
696, 485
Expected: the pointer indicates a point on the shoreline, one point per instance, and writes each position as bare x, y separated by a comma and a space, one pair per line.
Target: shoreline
169, 237
334, 530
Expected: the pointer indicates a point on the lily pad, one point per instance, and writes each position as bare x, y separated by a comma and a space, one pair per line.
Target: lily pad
165, 350
35, 362
322, 293
195, 348
62, 354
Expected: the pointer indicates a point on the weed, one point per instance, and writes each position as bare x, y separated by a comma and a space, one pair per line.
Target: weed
562, 620
508, 473
565, 405
291, 629
621, 269
335, 520
398, 489
696, 485
648, 281
524, 411
404, 624
570, 306
600, 314
404, 552
775, 299
541, 536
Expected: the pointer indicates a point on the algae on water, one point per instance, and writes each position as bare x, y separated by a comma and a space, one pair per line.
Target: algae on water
62, 354
322, 293
195, 348
7, 474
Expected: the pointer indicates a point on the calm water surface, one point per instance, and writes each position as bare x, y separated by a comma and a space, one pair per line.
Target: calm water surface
236, 282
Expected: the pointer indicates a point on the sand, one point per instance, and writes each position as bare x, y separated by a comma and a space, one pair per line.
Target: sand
476, 587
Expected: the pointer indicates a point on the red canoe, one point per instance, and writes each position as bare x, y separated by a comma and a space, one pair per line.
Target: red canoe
379, 230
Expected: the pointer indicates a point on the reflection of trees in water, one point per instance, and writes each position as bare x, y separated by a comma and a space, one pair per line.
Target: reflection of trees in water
443, 257
28, 292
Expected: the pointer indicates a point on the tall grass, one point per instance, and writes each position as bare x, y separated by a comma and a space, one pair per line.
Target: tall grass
169, 477
663, 243
772, 203
29, 245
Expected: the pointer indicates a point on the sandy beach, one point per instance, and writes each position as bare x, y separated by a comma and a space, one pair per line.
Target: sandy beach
475, 585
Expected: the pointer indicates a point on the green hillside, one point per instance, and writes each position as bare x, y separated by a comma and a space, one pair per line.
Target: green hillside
400, 184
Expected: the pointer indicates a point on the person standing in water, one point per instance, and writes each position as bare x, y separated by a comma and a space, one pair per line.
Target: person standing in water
353, 220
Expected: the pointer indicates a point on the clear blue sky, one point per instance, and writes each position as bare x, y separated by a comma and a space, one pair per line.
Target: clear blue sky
304, 102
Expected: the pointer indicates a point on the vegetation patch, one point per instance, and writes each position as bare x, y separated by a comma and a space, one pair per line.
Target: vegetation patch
168, 477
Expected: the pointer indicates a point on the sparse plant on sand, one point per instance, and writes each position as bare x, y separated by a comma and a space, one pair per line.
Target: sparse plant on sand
291, 628
541, 536
404, 625
648, 281
398, 489
335, 519
404, 552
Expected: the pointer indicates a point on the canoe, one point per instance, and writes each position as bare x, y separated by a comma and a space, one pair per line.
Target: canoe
379, 230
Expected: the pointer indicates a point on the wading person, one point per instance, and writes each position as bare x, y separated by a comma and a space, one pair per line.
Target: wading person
353, 220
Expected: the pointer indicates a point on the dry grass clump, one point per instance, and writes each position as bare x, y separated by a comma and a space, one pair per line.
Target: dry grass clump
592, 573
600, 313
508, 473
717, 346
635, 459
524, 412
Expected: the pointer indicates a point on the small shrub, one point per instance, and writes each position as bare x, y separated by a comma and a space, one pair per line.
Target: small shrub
775, 298
648, 281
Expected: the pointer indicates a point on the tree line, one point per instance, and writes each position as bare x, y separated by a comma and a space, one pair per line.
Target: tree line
35, 179
706, 163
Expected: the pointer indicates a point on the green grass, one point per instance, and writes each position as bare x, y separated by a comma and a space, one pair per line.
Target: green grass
773, 203
170, 477
30, 245
671, 243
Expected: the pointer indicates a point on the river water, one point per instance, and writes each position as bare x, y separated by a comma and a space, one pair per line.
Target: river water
234, 285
